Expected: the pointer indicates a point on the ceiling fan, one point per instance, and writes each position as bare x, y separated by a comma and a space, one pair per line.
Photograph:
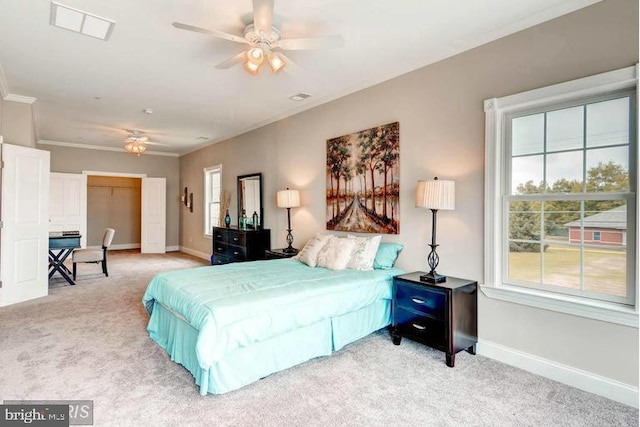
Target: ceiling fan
262, 38
136, 143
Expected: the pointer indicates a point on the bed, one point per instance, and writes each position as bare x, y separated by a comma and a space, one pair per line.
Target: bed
232, 324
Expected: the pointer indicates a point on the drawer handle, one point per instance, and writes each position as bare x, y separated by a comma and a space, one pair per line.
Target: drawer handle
235, 239
415, 325
236, 253
219, 249
418, 300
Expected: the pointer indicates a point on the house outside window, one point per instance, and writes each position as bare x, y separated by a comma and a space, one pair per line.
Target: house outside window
561, 194
212, 190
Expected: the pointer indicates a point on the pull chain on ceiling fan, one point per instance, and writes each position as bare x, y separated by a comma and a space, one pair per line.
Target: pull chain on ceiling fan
262, 38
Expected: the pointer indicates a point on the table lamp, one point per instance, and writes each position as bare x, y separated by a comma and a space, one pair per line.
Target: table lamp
435, 195
288, 199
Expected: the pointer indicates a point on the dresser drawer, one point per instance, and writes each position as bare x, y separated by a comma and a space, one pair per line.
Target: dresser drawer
421, 328
236, 238
231, 252
219, 259
424, 300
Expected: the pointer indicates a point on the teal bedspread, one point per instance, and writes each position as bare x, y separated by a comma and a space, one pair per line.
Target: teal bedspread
236, 305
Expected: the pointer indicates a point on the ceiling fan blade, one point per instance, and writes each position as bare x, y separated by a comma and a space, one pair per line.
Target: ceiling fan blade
328, 42
215, 33
291, 68
160, 144
262, 15
228, 63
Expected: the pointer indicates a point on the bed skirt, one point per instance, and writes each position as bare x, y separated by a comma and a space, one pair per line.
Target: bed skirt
248, 364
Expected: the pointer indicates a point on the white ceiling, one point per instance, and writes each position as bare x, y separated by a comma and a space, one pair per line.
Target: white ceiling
147, 63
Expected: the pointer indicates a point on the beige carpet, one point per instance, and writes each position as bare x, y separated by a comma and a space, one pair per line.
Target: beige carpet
89, 342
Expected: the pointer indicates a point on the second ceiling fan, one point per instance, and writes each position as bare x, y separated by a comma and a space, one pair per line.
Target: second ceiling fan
262, 38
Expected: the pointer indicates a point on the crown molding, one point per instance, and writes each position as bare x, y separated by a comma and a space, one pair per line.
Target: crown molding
101, 148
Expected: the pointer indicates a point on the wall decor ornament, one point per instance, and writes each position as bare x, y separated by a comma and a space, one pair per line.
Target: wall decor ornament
363, 181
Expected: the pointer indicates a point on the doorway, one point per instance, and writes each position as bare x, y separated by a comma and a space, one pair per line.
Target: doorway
115, 202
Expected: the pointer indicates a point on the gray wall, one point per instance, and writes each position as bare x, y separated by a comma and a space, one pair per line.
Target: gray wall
440, 110
76, 160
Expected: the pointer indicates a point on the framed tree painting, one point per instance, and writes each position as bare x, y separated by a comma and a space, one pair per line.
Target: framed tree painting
363, 179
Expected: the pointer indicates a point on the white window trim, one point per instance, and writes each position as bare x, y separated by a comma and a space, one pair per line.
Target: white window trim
209, 235
496, 110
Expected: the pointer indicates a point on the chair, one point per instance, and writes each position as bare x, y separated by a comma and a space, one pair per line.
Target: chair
95, 255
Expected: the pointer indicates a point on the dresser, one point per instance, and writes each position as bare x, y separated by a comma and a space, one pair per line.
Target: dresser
440, 315
235, 245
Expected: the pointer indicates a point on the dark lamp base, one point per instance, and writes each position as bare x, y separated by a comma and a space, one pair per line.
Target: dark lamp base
433, 277
289, 250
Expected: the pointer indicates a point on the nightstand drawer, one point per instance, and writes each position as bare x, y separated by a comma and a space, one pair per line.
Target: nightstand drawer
423, 328
427, 301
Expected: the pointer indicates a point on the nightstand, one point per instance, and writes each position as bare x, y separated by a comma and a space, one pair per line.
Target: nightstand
279, 253
440, 315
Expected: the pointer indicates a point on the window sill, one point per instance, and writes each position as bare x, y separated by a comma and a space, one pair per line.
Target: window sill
597, 310
207, 236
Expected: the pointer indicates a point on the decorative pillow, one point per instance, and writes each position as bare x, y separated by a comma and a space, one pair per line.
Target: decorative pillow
336, 253
309, 254
364, 252
386, 255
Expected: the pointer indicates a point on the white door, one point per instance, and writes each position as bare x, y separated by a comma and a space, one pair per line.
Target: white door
68, 203
24, 237
154, 214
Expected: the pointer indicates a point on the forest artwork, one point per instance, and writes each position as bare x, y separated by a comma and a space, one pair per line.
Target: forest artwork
363, 176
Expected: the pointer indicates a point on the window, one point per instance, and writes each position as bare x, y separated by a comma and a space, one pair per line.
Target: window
561, 179
212, 189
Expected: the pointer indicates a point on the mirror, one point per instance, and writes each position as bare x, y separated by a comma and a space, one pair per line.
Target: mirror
250, 200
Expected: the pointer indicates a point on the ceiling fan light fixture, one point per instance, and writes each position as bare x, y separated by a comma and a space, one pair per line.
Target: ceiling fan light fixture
255, 55
251, 68
134, 146
276, 62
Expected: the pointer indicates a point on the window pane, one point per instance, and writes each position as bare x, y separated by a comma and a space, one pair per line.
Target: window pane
524, 265
524, 224
562, 266
527, 135
565, 129
214, 214
526, 174
562, 221
605, 270
608, 123
564, 172
608, 169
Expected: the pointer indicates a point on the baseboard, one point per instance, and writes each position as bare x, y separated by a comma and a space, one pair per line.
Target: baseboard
193, 252
172, 248
587, 381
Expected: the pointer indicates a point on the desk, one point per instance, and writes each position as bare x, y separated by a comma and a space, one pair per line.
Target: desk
60, 247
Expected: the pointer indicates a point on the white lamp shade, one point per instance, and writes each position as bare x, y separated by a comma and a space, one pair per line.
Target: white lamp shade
288, 198
436, 194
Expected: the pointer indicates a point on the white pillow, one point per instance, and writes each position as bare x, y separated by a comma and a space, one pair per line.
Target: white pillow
309, 254
336, 253
364, 252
